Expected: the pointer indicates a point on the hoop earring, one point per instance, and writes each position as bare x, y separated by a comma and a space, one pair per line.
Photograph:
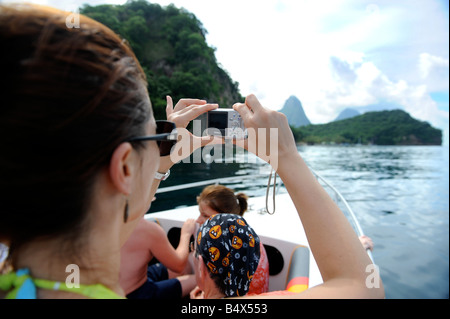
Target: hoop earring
125, 214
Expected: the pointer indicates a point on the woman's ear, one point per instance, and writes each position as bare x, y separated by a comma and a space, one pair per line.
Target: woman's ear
120, 168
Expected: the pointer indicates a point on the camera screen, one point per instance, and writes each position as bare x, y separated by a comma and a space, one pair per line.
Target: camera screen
218, 120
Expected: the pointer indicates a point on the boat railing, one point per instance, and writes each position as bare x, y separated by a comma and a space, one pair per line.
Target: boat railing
351, 215
208, 182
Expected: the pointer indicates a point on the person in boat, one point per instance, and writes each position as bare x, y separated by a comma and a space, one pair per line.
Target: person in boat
140, 280
227, 252
80, 142
81, 145
219, 199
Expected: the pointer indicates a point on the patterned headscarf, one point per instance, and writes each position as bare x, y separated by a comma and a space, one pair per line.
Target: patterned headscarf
230, 250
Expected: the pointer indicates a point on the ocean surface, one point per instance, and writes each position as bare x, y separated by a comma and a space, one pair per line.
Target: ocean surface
400, 195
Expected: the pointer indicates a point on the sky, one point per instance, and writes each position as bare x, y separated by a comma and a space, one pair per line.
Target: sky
331, 54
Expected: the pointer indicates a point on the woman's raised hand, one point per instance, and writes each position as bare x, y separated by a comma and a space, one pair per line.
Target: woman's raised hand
186, 110
182, 114
269, 134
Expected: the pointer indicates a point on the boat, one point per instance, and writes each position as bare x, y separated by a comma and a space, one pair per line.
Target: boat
292, 266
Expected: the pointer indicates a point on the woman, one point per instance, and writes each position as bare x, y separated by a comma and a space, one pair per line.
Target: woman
218, 199
76, 174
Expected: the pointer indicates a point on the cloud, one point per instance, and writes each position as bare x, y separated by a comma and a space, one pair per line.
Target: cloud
357, 84
343, 71
434, 71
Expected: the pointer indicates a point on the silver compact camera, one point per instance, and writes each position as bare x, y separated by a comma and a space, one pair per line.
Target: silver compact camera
226, 123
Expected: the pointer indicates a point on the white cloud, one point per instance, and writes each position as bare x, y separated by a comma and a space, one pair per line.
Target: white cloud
434, 71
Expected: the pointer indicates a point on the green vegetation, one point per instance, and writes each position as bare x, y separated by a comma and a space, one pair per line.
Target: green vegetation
171, 47
382, 128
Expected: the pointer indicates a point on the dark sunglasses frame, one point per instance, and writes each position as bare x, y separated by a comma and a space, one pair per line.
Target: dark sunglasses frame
166, 137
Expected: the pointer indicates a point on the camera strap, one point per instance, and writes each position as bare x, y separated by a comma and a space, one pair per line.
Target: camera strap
267, 192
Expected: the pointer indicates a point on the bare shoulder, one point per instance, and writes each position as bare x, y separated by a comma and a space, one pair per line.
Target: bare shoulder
150, 229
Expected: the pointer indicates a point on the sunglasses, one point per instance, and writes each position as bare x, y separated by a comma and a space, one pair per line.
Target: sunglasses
166, 137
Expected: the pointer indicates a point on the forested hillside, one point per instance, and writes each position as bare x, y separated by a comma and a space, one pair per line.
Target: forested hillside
381, 128
171, 47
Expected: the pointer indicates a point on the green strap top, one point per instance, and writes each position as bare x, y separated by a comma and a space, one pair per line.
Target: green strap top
22, 286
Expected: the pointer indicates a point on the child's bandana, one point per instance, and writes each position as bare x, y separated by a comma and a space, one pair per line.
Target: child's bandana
230, 249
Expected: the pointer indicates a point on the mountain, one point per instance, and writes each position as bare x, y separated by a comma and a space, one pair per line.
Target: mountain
293, 110
381, 128
346, 114
377, 107
170, 44
380, 106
